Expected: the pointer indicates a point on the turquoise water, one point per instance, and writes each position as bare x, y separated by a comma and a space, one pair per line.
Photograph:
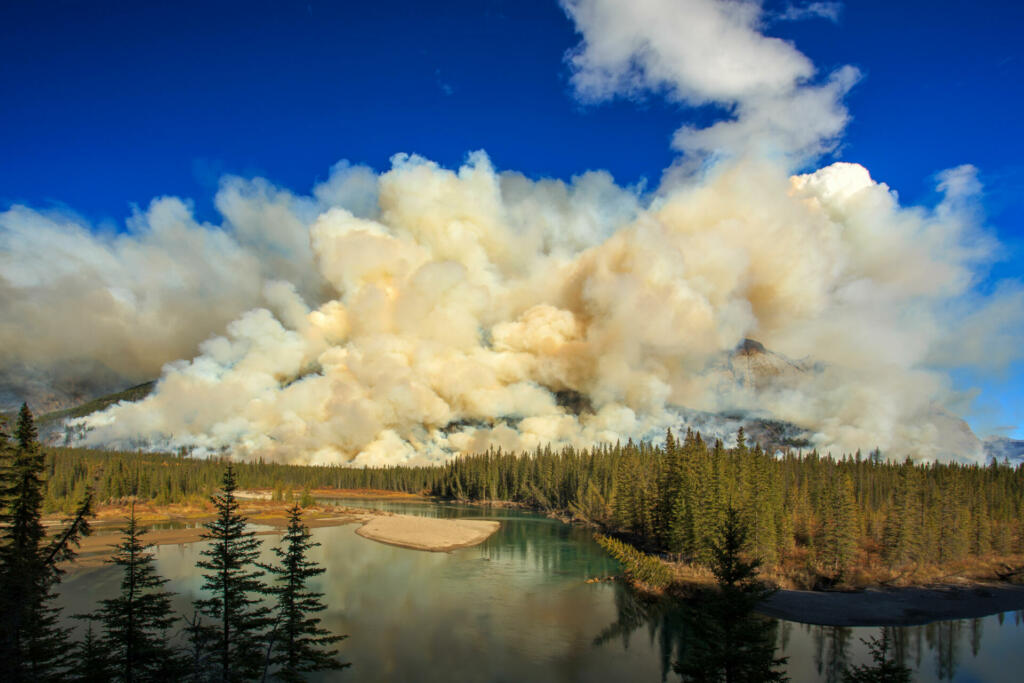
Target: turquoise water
516, 608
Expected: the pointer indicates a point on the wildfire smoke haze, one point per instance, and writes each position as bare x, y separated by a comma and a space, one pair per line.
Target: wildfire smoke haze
424, 312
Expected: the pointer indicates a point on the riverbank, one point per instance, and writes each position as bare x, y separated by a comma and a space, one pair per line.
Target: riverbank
909, 606
333, 493
177, 524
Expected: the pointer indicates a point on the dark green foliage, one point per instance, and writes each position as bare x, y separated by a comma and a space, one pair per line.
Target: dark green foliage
840, 532
33, 646
238, 619
298, 642
667, 499
136, 622
637, 566
91, 663
728, 642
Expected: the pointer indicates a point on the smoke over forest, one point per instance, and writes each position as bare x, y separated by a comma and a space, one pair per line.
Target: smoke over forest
423, 312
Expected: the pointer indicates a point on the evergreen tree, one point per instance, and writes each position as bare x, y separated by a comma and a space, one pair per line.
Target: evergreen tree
136, 622
298, 642
729, 642
238, 619
902, 541
33, 647
840, 527
91, 659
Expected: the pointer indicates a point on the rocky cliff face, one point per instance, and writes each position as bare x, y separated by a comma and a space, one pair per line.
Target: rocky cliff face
752, 365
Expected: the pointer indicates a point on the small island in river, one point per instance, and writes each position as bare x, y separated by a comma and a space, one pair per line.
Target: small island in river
427, 533
407, 531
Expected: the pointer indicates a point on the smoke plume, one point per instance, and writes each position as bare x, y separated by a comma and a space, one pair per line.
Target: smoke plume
424, 312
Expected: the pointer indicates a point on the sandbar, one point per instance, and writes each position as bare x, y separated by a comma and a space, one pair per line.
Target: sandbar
893, 606
427, 533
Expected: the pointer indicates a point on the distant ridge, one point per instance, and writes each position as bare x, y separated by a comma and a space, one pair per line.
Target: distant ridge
51, 425
1000, 447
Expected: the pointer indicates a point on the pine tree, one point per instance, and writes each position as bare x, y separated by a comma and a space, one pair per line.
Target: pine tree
729, 642
136, 622
840, 528
91, 659
33, 646
298, 642
902, 539
234, 588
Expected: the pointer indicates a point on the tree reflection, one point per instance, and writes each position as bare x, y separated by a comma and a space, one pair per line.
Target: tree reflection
664, 619
714, 635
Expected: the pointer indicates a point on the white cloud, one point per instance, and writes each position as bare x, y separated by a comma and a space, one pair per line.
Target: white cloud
830, 11
711, 52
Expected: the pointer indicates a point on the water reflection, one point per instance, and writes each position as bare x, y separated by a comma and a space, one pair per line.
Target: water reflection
690, 641
517, 608
662, 620
708, 638
981, 649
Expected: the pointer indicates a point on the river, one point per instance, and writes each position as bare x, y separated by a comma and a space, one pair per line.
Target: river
517, 608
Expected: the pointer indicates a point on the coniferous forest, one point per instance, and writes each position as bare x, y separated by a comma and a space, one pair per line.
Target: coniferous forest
737, 513
812, 518
256, 619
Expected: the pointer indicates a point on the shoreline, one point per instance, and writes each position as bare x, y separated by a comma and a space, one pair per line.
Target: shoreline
406, 531
904, 606
867, 606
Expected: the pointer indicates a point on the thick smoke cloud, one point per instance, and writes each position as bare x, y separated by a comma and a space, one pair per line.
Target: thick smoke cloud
427, 312
80, 303
463, 312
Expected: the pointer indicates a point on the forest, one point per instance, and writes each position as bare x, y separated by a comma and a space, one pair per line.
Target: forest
814, 520
253, 619
739, 514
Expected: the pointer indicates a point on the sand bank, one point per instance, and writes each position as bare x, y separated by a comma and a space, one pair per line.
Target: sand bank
407, 531
894, 606
427, 533
96, 549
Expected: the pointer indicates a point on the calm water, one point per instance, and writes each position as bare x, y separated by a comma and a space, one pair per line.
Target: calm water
516, 608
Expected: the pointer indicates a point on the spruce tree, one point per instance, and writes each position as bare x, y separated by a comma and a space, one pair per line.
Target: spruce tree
728, 641
298, 642
91, 659
840, 529
234, 586
136, 622
33, 646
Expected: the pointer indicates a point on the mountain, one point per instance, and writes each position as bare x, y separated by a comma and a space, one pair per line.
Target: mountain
752, 365
51, 424
58, 386
1000, 447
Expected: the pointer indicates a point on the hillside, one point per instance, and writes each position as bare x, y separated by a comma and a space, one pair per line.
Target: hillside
51, 424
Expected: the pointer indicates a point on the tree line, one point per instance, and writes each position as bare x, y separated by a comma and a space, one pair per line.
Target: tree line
803, 511
815, 517
243, 628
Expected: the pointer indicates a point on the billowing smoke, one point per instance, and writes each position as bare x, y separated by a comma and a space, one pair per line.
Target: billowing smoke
426, 312
471, 303
82, 305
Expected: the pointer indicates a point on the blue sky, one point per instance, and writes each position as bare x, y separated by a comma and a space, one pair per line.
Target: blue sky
109, 105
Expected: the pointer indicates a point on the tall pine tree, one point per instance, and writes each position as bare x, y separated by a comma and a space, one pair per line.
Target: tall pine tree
135, 623
235, 588
33, 646
298, 642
